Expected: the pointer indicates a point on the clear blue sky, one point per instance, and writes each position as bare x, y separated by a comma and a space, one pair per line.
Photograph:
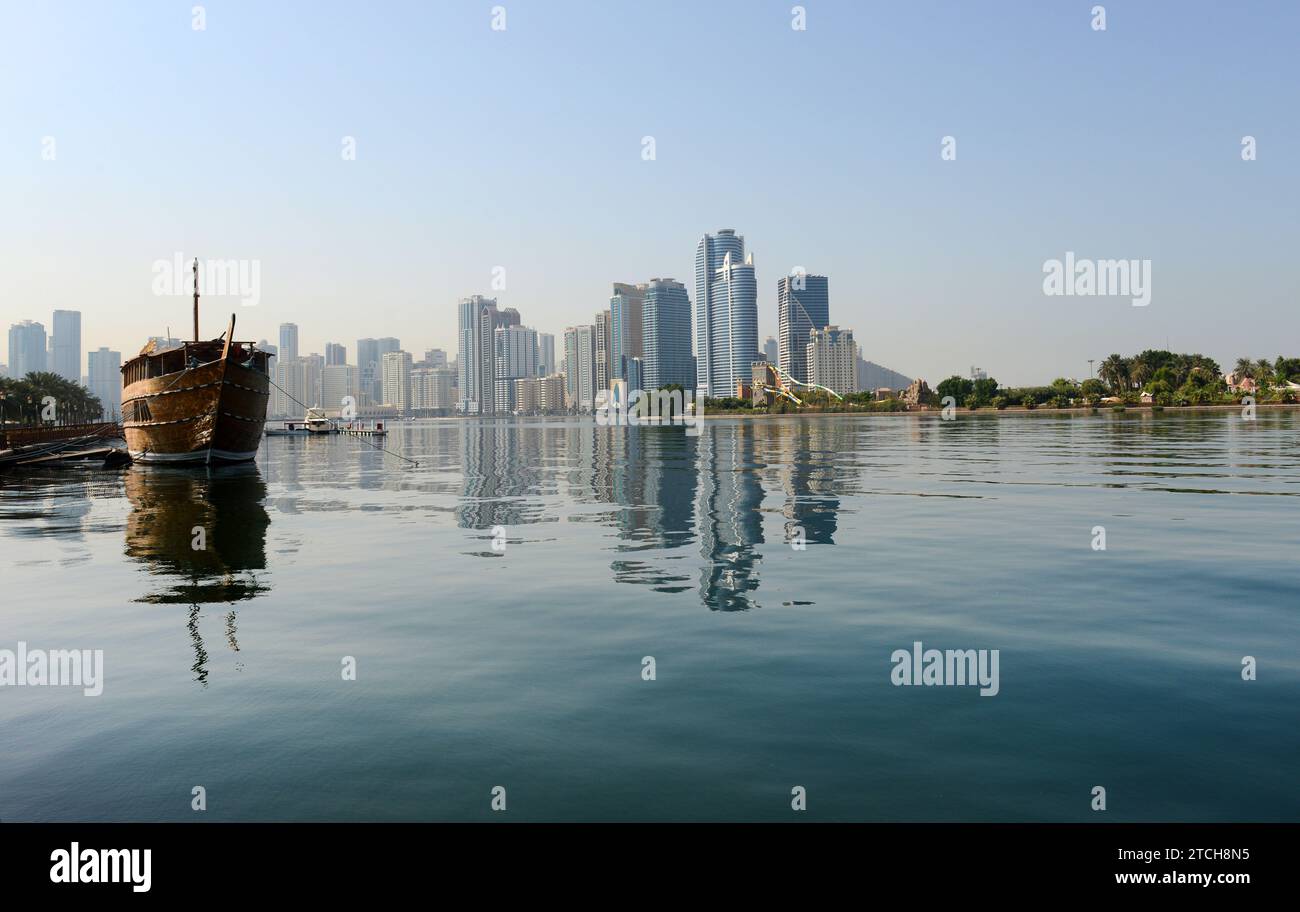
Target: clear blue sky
522, 149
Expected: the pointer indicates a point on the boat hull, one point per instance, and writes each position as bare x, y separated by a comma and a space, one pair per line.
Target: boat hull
209, 414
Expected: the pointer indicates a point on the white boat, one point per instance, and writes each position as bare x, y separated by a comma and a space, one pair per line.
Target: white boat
303, 427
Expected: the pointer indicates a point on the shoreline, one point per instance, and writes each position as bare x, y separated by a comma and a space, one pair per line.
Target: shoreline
1009, 410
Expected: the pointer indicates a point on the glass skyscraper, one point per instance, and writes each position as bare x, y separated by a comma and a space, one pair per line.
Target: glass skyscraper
726, 313
802, 305
65, 346
666, 338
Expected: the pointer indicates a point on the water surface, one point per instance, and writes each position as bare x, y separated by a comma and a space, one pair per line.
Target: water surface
499, 598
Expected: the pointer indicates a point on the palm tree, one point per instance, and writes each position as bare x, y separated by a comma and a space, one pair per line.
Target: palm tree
1140, 371
1245, 368
73, 403
1115, 372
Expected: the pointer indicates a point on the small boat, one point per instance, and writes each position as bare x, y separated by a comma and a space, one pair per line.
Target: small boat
200, 403
303, 427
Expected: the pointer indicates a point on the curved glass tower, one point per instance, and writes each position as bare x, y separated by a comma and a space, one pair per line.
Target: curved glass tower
726, 313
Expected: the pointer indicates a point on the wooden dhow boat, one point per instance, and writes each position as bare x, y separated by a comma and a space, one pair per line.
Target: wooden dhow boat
200, 403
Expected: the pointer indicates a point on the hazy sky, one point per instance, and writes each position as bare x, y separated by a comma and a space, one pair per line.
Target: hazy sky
523, 149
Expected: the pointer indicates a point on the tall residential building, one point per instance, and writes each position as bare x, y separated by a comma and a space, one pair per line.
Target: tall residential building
106, 381
435, 357
338, 383
467, 352
367, 370
626, 308
65, 345
771, 351
299, 382
571, 366
431, 390
395, 373
832, 358
726, 313
515, 356
667, 336
26, 349
588, 379
604, 350
370, 354
802, 305
490, 320
335, 354
546, 355
288, 341
477, 321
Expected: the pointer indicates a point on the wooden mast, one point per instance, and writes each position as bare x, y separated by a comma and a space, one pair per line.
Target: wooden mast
196, 299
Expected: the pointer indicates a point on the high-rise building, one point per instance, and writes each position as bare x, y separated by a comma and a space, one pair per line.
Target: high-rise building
106, 381
490, 320
802, 305
515, 356
832, 358
771, 351
26, 349
315, 367
338, 384
65, 345
431, 390
299, 386
546, 355
435, 357
666, 336
467, 352
288, 341
571, 367
367, 370
626, 326
604, 350
726, 313
477, 321
383, 345
588, 379
395, 372
335, 354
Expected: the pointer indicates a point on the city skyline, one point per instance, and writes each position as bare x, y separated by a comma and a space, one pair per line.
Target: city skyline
940, 258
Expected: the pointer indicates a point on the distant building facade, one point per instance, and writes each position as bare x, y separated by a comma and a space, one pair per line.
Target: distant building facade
27, 353
832, 357
65, 345
105, 372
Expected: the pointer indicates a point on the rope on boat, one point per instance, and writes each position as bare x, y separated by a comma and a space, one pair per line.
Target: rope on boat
307, 409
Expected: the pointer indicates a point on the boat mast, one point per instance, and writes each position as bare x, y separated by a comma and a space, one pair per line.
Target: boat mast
196, 299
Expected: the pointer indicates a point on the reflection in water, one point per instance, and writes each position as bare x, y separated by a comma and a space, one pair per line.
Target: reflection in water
668, 490
203, 534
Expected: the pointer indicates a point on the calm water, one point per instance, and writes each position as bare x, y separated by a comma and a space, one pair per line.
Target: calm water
521, 667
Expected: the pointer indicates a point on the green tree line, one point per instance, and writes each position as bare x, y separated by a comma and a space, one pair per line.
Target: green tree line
23, 401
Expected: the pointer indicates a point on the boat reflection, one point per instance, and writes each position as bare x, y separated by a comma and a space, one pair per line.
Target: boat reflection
201, 535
